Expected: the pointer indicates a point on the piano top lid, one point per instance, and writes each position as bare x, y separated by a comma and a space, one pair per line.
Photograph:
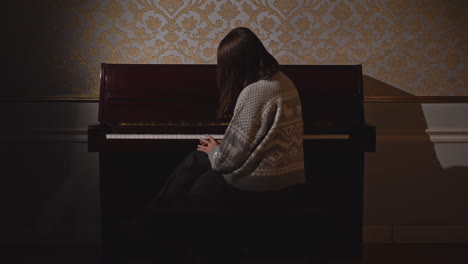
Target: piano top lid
330, 94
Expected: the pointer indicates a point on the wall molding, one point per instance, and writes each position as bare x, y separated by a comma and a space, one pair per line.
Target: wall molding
48, 99
417, 99
44, 135
389, 99
428, 135
80, 135
448, 135
415, 234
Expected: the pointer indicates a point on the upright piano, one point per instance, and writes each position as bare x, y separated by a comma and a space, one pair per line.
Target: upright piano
151, 117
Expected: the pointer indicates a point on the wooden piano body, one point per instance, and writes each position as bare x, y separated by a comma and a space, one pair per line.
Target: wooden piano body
147, 114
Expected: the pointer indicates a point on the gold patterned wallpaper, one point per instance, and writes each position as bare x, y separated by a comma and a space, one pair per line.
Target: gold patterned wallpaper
416, 46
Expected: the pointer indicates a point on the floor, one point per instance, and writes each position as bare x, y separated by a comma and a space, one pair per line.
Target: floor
373, 254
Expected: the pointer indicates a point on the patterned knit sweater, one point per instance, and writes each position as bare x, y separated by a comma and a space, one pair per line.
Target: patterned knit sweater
262, 147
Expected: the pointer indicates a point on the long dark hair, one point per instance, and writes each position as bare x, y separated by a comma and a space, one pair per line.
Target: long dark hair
242, 60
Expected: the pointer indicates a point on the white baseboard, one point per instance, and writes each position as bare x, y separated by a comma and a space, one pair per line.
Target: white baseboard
415, 234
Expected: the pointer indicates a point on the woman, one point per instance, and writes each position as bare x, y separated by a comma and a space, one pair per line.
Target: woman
261, 151
262, 147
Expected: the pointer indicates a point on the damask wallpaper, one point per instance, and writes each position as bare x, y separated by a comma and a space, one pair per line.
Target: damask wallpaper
416, 46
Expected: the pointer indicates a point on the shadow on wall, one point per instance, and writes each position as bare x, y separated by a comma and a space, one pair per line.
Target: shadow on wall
374, 87
405, 183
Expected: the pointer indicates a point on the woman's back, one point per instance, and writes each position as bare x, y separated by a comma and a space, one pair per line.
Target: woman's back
262, 148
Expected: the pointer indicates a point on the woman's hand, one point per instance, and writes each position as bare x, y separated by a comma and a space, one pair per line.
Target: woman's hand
206, 145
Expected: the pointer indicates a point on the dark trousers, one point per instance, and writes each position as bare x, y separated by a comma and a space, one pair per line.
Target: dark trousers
194, 180
193, 183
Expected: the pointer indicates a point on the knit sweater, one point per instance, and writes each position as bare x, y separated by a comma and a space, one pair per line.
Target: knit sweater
262, 147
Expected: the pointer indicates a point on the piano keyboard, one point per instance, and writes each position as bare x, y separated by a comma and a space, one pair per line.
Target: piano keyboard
198, 136
159, 136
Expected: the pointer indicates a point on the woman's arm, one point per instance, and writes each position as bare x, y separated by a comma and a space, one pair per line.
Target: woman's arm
253, 117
